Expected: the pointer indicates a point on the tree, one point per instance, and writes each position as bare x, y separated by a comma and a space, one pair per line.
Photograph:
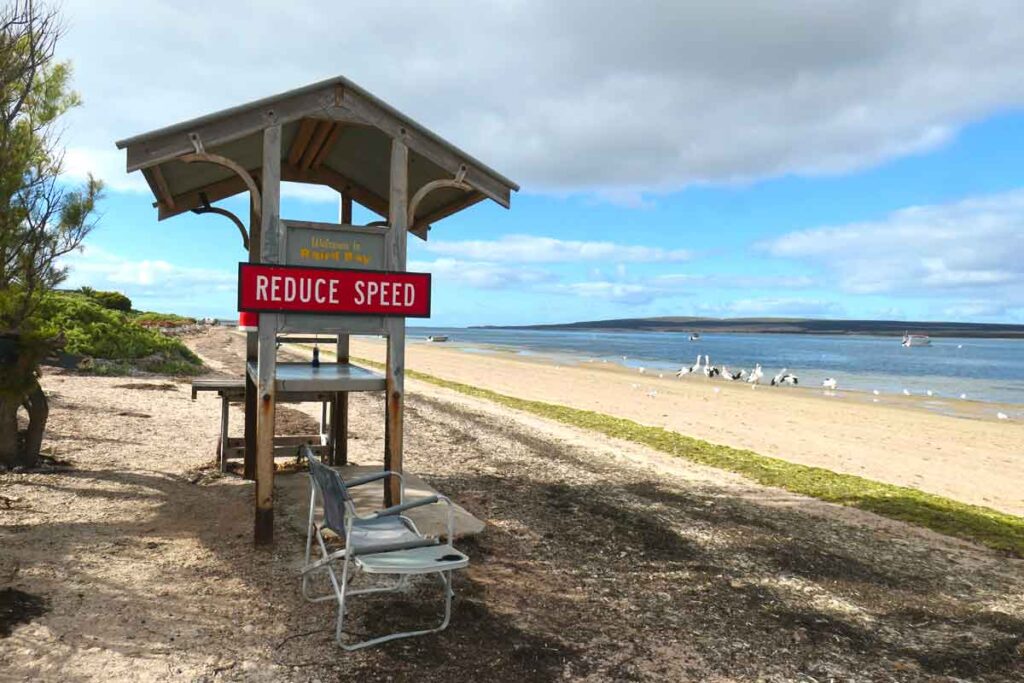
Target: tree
42, 218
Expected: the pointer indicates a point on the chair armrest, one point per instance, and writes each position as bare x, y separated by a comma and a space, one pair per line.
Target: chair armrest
392, 547
373, 476
402, 507
419, 502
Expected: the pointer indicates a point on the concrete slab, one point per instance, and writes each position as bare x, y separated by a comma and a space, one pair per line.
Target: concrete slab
431, 520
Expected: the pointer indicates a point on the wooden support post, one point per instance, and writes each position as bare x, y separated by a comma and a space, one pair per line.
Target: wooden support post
339, 406
222, 448
267, 361
346, 209
395, 250
339, 412
251, 356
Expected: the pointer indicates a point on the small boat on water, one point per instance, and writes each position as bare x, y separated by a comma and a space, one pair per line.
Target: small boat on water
916, 340
695, 336
437, 338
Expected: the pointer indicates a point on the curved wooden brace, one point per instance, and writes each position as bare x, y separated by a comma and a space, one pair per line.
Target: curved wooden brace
230, 216
254, 192
430, 187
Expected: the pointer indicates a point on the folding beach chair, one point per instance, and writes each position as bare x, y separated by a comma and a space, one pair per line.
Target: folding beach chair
383, 542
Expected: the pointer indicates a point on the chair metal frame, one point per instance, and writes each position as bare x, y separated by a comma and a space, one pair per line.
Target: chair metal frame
350, 554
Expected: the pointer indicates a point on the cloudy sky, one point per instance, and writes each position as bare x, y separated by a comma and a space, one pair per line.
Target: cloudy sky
826, 159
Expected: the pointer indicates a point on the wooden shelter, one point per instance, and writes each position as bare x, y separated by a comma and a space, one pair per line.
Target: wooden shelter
336, 134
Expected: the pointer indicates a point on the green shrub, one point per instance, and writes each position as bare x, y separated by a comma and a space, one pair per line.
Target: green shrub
93, 331
149, 319
115, 301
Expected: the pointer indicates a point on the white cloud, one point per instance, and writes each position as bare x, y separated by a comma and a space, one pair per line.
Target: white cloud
632, 293
480, 274
530, 249
147, 279
776, 306
621, 101
967, 251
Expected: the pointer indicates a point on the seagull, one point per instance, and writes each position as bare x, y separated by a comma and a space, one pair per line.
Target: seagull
642, 370
1002, 416
929, 392
653, 393
876, 392
661, 376
963, 397
830, 383
906, 392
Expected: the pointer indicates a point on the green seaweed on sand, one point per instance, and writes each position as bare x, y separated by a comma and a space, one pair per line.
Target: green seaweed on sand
995, 529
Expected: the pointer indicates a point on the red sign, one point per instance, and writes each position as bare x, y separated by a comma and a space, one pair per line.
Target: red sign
301, 289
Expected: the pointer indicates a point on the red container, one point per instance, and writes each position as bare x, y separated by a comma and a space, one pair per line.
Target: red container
248, 321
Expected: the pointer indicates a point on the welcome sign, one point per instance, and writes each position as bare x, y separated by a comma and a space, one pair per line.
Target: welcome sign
333, 291
331, 246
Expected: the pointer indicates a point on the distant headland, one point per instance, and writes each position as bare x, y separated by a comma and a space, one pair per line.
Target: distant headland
781, 326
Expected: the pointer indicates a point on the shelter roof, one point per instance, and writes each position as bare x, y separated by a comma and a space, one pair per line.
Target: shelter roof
333, 133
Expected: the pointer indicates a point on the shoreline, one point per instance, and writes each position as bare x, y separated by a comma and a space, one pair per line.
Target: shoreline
974, 461
940, 404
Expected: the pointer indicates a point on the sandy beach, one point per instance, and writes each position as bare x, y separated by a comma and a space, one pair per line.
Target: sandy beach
972, 457
601, 560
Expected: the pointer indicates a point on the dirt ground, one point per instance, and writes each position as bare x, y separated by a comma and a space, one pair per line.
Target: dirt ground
601, 561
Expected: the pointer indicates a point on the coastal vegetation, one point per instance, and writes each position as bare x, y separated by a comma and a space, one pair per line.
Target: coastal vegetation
42, 217
990, 527
109, 341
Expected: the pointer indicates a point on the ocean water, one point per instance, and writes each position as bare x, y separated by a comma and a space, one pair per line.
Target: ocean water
983, 369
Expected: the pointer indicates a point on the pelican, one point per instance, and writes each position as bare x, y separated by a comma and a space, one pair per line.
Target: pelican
755, 375
731, 376
784, 377
830, 383
690, 370
709, 370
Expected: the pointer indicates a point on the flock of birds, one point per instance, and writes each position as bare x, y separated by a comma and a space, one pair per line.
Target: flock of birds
753, 376
703, 366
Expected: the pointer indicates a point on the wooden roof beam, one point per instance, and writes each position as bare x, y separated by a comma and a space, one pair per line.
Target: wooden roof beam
192, 199
301, 140
328, 145
158, 184
326, 175
466, 200
323, 130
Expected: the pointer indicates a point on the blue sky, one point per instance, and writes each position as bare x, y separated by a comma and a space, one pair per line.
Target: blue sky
859, 162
